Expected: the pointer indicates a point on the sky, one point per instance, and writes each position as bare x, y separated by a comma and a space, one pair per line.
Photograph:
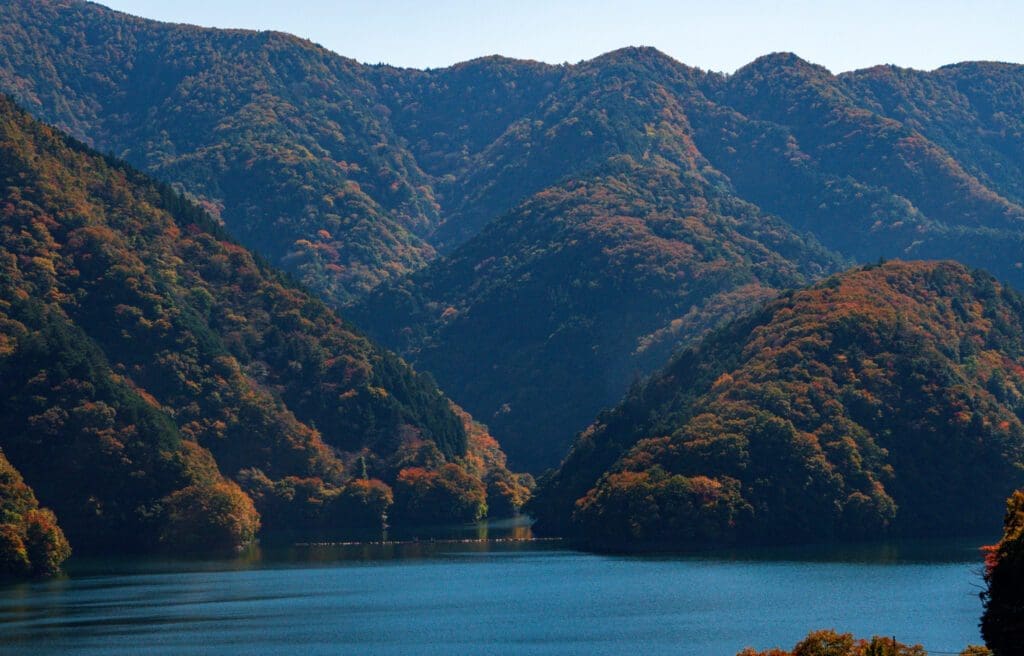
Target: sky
719, 35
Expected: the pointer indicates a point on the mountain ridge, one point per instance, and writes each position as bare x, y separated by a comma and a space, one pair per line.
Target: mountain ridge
364, 181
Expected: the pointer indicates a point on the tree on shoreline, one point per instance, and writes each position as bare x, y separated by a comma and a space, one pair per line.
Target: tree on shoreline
1002, 623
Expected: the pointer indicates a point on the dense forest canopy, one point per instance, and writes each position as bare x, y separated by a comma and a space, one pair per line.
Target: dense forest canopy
592, 218
887, 400
161, 387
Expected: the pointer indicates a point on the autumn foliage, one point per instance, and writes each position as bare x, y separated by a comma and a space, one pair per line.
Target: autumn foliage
445, 495
148, 363
830, 643
31, 542
217, 517
886, 400
1002, 623
622, 205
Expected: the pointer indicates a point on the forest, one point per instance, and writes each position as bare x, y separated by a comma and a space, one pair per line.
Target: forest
256, 292
162, 388
432, 205
883, 401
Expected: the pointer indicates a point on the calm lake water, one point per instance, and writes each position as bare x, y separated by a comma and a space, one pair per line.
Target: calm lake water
497, 598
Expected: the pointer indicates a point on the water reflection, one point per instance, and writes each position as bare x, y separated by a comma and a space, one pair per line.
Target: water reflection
887, 552
483, 589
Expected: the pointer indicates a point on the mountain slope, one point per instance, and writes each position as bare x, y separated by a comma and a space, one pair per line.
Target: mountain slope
886, 399
147, 364
355, 177
280, 138
781, 137
578, 290
974, 110
798, 142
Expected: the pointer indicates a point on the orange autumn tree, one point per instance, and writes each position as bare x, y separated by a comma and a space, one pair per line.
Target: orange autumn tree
828, 642
213, 517
31, 542
439, 496
1002, 623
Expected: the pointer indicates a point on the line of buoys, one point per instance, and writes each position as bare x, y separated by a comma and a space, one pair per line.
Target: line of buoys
379, 543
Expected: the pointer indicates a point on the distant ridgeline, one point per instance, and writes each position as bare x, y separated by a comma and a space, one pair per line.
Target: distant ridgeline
160, 387
884, 401
594, 218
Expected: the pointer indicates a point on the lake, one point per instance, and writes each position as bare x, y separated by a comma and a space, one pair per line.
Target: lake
497, 598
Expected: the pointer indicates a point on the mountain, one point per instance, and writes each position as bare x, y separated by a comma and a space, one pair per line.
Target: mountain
281, 139
538, 236
161, 387
886, 400
974, 110
626, 248
819, 151
692, 196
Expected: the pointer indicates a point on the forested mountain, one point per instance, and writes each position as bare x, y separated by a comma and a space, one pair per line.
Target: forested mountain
591, 218
692, 195
281, 139
886, 400
162, 387
816, 150
547, 315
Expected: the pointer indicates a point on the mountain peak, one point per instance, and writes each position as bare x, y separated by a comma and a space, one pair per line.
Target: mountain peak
782, 61
643, 55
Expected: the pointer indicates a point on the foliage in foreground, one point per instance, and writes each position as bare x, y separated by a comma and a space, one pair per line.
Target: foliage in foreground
830, 643
1002, 623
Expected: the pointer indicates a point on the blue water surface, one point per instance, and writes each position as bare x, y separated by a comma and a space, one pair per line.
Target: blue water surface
497, 598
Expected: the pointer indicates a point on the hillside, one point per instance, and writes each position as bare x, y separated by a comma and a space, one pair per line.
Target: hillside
536, 323
499, 199
886, 400
545, 317
277, 137
819, 151
157, 379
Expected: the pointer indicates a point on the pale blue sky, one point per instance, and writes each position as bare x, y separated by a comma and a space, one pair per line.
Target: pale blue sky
719, 35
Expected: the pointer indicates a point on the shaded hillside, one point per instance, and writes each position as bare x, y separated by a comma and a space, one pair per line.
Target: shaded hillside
884, 400
511, 322
820, 152
355, 177
974, 110
147, 364
556, 306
